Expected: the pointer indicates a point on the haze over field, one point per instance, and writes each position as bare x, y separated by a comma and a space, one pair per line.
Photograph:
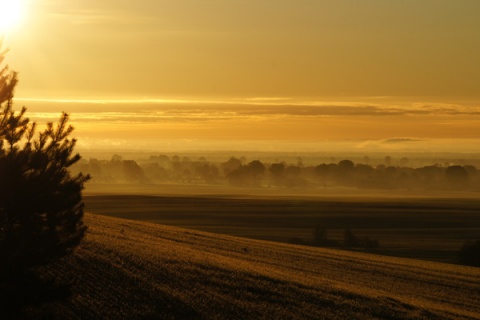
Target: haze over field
196, 75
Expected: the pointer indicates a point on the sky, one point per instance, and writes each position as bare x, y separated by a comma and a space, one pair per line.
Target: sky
370, 74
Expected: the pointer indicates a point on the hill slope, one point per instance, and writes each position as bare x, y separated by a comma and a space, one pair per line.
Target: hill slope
128, 270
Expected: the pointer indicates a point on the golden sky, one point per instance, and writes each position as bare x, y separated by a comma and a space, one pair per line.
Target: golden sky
307, 70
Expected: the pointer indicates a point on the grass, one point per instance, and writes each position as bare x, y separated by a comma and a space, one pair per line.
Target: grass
422, 228
138, 270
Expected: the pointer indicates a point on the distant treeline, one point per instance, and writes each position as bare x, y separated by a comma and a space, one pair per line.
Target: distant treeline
242, 173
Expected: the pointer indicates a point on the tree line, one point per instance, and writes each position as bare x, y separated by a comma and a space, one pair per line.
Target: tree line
242, 173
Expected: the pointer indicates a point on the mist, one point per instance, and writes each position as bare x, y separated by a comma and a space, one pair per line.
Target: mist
258, 173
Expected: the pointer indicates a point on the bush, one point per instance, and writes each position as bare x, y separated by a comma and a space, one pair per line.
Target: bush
469, 254
350, 240
320, 238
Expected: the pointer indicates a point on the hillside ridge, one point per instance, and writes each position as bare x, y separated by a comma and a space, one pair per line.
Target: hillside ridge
138, 270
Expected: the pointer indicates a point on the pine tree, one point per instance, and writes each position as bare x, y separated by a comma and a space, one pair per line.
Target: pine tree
41, 206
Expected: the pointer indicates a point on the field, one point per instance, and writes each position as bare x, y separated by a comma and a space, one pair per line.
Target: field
137, 270
428, 228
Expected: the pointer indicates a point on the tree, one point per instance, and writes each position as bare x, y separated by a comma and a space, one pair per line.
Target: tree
132, 171
244, 175
278, 172
231, 165
457, 177
345, 170
256, 168
346, 165
41, 206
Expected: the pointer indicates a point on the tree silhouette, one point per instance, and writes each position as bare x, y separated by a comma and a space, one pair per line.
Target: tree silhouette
278, 172
41, 207
256, 168
133, 172
457, 177
231, 165
246, 175
344, 172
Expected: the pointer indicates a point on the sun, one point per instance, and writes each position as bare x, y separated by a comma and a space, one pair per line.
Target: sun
11, 13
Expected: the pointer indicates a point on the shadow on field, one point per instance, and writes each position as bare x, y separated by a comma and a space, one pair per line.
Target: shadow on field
29, 296
20, 292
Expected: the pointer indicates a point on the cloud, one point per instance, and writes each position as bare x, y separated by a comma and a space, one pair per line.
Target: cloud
152, 110
391, 143
93, 17
91, 12
400, 140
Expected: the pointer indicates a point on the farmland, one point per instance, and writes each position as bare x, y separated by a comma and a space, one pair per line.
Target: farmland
138, 270
428, 228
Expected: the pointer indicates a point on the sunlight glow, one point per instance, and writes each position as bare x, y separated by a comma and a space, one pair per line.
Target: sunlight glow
11, 14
